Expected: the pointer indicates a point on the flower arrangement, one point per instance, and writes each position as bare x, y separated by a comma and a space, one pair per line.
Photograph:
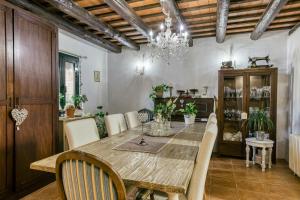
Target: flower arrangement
164, 111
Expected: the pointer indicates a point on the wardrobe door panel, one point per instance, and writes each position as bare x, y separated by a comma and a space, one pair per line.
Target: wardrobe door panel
35, 90
5, 101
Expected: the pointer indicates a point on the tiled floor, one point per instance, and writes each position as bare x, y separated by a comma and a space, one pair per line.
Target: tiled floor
230, 179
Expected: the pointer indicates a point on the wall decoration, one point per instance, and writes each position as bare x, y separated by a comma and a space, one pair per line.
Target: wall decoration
97, 76
253, 61
19, 115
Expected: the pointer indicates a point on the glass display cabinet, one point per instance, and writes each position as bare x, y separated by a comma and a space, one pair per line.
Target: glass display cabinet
241, 92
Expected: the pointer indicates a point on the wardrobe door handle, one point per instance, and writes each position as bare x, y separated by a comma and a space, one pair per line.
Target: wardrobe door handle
10, 102
17, 102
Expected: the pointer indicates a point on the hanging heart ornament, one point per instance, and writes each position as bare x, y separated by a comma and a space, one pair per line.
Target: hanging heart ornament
19, 115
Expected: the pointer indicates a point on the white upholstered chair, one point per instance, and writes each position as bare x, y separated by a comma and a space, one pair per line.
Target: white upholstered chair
211, 120
197, 184
196, 188
115, 124
132, 119
81, 132
212, 115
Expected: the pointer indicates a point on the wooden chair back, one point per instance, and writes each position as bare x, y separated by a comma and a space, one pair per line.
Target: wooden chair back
83, 176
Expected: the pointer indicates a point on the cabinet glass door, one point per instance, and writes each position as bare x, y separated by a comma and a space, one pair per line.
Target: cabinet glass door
260, 94
233, 107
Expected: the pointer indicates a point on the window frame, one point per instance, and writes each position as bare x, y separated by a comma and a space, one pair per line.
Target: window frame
63, 58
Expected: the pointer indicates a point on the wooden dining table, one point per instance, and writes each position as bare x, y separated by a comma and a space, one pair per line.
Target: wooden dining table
168, 171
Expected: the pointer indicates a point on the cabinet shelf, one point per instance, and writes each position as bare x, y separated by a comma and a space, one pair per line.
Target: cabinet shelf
239, 90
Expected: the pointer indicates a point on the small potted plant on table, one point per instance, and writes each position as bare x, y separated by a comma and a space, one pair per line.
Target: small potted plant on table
260, 123
189, 112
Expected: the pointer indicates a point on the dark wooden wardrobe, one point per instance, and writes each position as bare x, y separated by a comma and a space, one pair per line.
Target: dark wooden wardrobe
28, 77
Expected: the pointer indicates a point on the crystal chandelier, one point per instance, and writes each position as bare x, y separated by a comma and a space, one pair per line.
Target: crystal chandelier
167, 44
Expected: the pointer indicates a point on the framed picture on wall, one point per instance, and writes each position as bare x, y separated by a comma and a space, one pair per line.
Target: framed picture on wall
97, 76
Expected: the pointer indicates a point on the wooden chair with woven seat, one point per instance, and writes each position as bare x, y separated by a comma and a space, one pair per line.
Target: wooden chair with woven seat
81, 175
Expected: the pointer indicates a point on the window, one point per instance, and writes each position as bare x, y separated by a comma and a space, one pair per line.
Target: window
69, 78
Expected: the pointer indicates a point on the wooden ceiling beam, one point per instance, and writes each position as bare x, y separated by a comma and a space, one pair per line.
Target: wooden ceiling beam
294, 28
127, 13
67, 25
271, 12
291, 6
222, 18
72, 9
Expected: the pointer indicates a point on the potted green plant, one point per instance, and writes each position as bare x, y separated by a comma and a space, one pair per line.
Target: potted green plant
62, 101
78, 101
259, 123
158, 91
189, 112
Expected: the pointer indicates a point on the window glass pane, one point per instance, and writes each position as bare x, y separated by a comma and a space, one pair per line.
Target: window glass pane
69, 81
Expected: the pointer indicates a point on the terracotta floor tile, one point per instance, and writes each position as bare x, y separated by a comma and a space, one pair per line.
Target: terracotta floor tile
277, 183
224, 193
221, 173
254, 186
251, 195
226, 182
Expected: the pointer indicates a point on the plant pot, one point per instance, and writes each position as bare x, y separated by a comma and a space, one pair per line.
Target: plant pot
260, 135
78, 112
70, 112
160, 93
189, 119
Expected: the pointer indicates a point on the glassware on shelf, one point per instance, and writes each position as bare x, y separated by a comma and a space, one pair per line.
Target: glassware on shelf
233, 136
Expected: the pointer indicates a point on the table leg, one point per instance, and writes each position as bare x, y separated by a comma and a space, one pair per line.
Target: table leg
263, 158
270, 157
173, 196
253, 155
247, 155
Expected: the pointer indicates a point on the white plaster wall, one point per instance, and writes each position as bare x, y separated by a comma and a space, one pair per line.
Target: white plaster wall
129, 91
293, 53
96, 61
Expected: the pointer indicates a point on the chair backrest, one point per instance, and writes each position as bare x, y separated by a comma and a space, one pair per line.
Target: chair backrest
211, 120
212, 115
197, 183
148, 112
81, 132
115, 124
83, 176
132, 119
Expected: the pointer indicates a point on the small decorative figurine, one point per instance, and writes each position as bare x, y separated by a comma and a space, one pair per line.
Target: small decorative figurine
253, 61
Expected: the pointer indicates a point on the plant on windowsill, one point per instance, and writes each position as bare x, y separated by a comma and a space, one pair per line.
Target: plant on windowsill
78, 101
70, 110
158, 91
189, 112
260, 123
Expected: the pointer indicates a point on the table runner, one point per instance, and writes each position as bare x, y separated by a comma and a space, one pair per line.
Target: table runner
154, 144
